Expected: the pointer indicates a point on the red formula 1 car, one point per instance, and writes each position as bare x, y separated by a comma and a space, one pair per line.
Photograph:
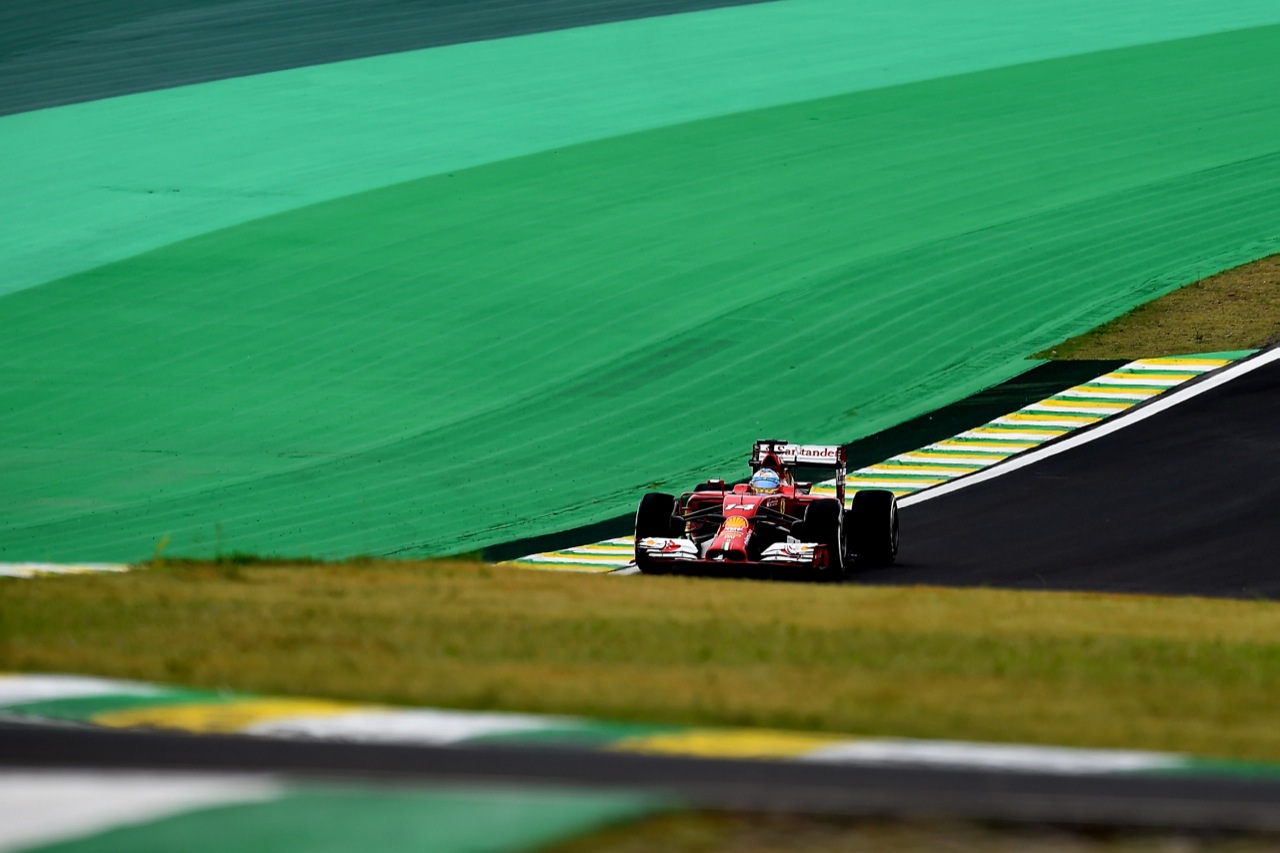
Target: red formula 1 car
773, 526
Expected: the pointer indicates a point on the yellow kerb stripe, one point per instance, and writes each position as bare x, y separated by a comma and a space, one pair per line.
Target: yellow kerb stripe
921, 469
1187, 362
729, 743
949, 454
1018, 431
1075, 404
560, 567
1084, 419
998, 445
1161, 378
223, 716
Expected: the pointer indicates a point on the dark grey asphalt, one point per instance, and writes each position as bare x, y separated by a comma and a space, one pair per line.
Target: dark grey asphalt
55, 52
1157, 801
1183, 503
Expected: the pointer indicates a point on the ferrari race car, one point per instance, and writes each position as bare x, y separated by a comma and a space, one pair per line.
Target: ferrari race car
779, 530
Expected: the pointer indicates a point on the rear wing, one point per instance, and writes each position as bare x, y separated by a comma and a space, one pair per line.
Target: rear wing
819, 455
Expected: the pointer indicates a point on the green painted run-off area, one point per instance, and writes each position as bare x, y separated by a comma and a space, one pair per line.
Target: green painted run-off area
450, 359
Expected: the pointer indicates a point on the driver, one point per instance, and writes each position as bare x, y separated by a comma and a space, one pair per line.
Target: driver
765, 482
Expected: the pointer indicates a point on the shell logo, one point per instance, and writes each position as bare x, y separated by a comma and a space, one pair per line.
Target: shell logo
735, 526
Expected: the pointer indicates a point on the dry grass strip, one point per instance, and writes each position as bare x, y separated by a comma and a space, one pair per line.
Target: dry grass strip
1234, 310
1184, 674
735, 833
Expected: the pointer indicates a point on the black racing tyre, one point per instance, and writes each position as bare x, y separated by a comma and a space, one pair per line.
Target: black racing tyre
654, 517
822, 525
871, 528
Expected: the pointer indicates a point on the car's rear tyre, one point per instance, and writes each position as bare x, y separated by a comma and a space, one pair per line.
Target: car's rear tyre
822, 525
654, 517
871, 529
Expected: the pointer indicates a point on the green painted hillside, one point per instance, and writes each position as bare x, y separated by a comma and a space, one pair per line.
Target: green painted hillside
443, 363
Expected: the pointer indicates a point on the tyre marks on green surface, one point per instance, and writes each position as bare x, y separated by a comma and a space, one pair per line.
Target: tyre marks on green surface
968, 452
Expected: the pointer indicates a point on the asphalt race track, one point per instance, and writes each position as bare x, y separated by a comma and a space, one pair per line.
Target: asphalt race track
1183, 503
1193, 802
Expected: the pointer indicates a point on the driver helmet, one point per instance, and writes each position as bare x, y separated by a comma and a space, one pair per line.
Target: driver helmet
765, 481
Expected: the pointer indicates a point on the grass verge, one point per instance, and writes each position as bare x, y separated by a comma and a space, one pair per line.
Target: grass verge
721, 833
1184, 674
1234, 310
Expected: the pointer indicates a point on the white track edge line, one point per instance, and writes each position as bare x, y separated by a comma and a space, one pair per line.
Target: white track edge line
1165, 401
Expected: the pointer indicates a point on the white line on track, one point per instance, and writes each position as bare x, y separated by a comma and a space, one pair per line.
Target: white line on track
1019, 757
1117, 422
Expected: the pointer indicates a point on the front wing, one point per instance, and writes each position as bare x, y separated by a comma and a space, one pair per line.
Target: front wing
684, 553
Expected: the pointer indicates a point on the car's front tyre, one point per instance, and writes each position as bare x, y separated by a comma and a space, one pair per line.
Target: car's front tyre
654, 517
822, 525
